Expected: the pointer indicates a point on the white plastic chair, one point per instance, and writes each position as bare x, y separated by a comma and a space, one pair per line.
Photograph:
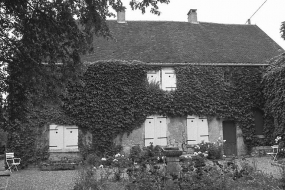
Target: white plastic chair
11, 161
274, 153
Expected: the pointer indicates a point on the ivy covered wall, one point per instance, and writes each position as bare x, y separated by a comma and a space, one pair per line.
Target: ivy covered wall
115, 98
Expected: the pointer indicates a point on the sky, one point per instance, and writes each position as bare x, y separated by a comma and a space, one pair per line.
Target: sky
268, 18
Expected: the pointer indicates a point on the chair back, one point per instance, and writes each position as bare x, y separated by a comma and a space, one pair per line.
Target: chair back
10, 156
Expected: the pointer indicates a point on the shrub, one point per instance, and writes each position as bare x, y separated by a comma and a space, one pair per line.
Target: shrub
210, 150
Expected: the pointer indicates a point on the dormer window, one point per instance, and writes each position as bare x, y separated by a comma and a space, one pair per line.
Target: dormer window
166, 78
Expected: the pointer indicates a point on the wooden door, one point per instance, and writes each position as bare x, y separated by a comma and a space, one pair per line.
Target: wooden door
229, 134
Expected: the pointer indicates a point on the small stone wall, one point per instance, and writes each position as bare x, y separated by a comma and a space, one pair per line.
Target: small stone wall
260, 150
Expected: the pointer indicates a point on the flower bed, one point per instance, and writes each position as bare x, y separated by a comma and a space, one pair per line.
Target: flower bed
52, 166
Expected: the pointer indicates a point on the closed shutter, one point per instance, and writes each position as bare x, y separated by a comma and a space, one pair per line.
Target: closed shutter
192, 130
203, 129
168, 79
55, 137
153, 76
149, 131
160, 131
70, 137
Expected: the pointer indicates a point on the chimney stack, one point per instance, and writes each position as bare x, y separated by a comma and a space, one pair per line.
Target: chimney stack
192, 16
121, 16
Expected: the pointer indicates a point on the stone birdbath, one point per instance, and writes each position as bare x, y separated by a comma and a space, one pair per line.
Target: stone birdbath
172, 158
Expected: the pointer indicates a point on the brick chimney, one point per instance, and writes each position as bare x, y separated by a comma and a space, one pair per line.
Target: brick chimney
192, 16
121, 14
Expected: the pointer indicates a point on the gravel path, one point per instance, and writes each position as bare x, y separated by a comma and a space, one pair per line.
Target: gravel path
42, 180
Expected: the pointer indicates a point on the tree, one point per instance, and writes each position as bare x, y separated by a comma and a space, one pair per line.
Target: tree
282, 30
36, 35
45, 32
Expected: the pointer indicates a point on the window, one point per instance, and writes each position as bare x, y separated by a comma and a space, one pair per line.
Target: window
63, 137
197, 130
166, 78
155, 131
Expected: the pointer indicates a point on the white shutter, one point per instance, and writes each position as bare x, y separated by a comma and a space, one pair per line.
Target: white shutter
153, 76
149, 130
55, 137
70, 137
168, 79
192, 130
160, 131
203, 129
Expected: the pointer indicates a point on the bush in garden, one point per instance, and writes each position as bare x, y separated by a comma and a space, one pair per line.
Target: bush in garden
93, 160
135, 153
210, 150
86, 180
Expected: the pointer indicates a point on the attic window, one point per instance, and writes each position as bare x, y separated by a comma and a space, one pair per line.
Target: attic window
165, 78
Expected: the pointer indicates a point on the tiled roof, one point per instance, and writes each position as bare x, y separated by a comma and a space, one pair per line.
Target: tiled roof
183, 42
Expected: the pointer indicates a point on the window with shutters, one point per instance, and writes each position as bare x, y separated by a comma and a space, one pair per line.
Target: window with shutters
197, 130
166, 78
63, 138
156, 130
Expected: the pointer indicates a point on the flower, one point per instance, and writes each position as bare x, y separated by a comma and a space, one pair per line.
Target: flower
195, 153
117, 155
225, 140
103, 159
277, 139
101, 166
115, 160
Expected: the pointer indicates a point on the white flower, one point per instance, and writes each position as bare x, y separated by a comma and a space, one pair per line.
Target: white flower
115, 160
135, 163
103, 159
117, 155
101, 166
225, 140
195, 153
199, 152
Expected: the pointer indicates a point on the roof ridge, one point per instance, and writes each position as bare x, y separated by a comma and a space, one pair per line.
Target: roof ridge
185, 22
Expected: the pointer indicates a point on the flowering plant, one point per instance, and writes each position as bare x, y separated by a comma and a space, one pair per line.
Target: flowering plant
278, 138
210, 150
